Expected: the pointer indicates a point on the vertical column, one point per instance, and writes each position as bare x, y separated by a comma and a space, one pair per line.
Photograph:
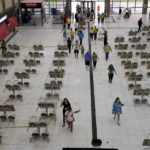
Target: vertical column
68, 8
107, 8
13, 2
3, 3
145, 5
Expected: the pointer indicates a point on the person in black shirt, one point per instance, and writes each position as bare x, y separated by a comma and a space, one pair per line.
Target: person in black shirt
3, 46
66, 105
69, 44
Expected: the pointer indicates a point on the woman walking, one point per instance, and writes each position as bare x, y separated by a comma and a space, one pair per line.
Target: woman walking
70, 118
117, 110
69, 42
66, 105
91, 33
76, 49
94, 58
111, 71
95, 30
82, 50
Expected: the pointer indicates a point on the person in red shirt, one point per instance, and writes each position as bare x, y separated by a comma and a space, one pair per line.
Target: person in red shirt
65, 19
140, 22
69, 42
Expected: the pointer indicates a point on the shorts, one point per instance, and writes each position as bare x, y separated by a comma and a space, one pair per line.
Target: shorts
76, 51
87, 63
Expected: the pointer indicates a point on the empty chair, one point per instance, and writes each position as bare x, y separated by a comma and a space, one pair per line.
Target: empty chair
44, 114
148, 74
136, 101
19, 97
32, 121
130, 86
11, 118
45, 136
43, 122
144, 101
35, 135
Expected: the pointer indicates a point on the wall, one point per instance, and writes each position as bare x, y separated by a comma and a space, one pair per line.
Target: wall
8, 3
1, 6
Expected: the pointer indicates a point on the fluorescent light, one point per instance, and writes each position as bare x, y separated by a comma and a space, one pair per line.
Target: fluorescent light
3, 18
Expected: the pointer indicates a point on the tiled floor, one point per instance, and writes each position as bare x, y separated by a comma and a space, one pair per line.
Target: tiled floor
135, 121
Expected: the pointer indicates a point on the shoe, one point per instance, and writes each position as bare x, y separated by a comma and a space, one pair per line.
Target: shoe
63, 125
118, 124
114, 118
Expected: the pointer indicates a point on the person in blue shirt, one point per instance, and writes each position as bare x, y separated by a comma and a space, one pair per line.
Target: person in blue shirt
117, 109
87, 58
81, 35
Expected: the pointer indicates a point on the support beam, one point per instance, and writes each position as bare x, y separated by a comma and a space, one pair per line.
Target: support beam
68, 8
107, 8
3, 3
145, 5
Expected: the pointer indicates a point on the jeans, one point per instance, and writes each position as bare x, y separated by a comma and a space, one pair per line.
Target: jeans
80, 41
107, 55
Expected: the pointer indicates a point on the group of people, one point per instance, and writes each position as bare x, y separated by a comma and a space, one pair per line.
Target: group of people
101, 17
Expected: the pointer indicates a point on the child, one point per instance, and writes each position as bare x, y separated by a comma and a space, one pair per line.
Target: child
70, 118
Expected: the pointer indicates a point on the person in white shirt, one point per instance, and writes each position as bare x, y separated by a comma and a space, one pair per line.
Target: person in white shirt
70, 118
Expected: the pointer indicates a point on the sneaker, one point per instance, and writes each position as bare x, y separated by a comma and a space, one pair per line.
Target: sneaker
118, 124
63, 125
114, 118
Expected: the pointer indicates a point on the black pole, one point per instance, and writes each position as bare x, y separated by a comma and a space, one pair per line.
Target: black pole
95, 141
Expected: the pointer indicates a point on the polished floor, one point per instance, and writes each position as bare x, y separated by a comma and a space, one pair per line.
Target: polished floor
135, 121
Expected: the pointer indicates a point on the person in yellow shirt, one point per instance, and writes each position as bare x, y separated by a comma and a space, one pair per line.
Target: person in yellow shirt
68, 22
107, 49
95, 30
72, 34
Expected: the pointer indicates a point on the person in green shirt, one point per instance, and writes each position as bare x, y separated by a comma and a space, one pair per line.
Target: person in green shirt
111, 71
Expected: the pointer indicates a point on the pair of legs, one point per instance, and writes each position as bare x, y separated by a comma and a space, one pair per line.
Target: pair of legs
110, 78
72, 38
94, 64
87, 63
70, 125
68, 26
95, 36
91, 35
106, 56
118, 118
69, 47
139, 29
76, 52
80, 41
64, 118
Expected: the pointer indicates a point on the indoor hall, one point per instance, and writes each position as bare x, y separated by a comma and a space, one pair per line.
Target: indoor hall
134, 122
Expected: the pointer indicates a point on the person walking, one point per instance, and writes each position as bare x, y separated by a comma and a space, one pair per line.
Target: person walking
120, 12
102, 18
71, 34
95, 30
117, 109
87, 58
140, 23
99, 17
82, 50
65, 19
107, 49
68, 22
111, 71
91, 33
94, 58
70, 118
105, 38
81, 35
69, 42
66, 105
3, 47
76, 49
76, 27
